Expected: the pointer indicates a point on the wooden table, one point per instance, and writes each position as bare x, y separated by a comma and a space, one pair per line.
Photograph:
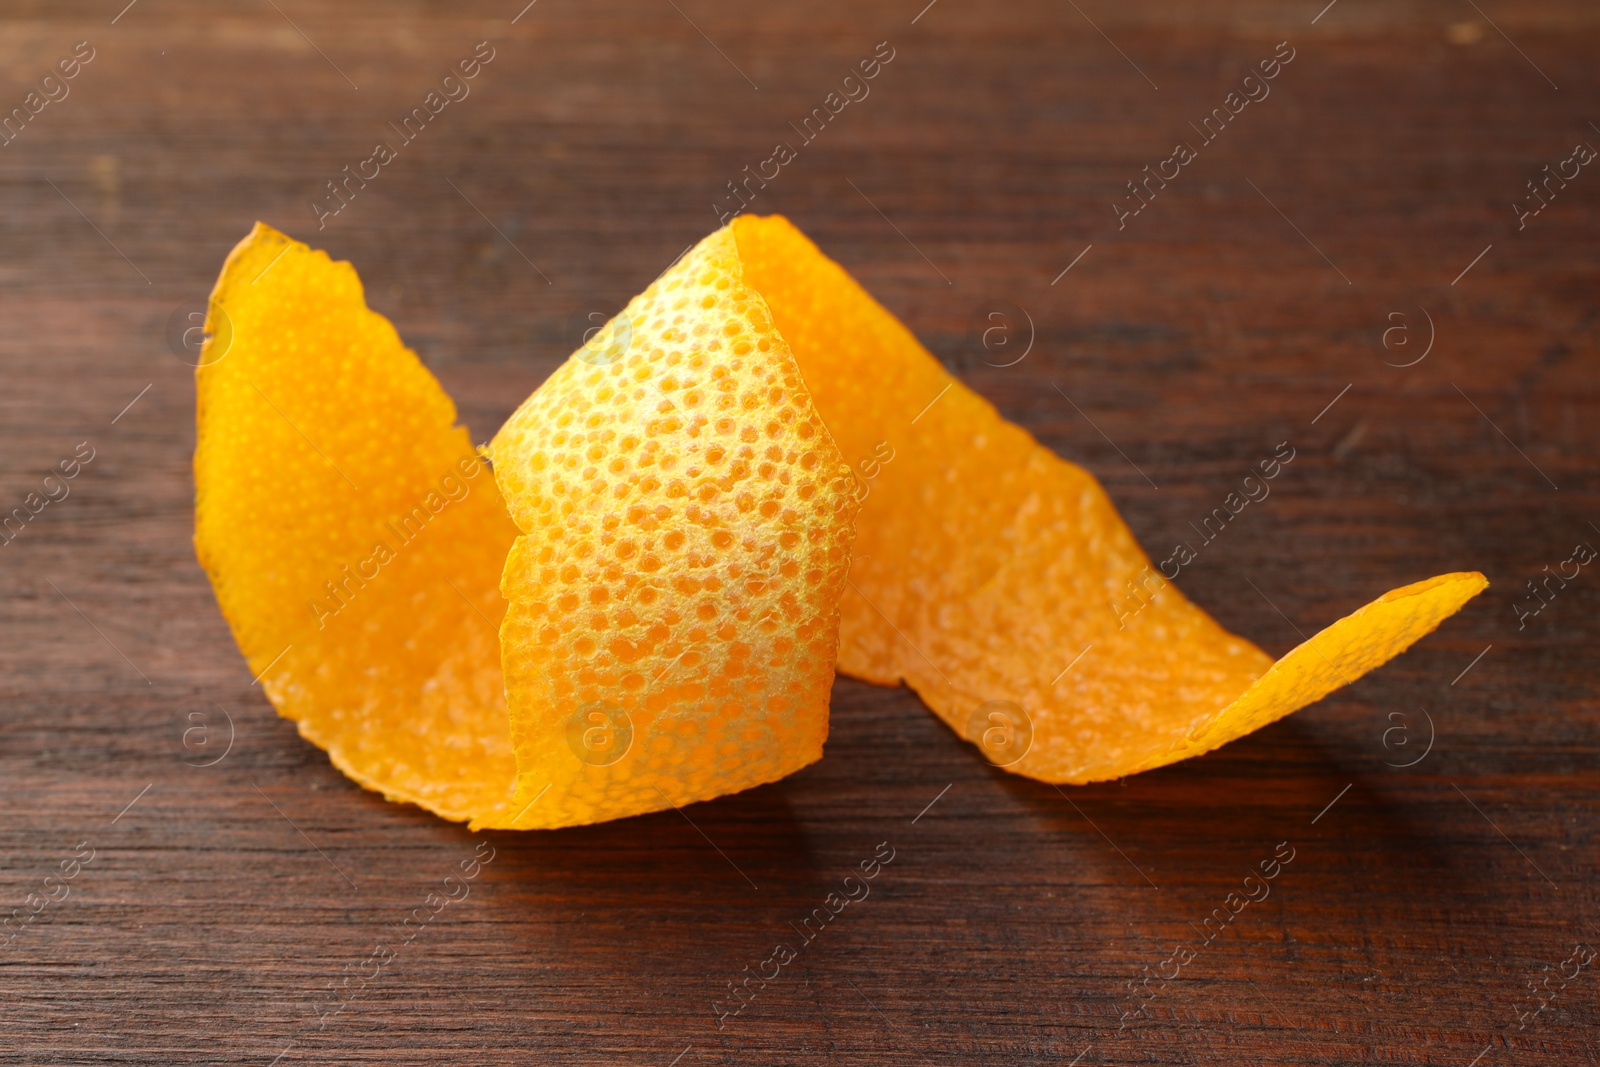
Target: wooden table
1341, 268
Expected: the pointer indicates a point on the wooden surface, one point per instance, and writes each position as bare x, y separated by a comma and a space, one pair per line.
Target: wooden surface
224, 905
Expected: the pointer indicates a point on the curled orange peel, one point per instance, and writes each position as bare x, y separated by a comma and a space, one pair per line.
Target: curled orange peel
750, 476
996, 579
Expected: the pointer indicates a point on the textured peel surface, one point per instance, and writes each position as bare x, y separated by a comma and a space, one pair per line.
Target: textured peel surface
986, 569
1367, 638
751, 474
686, 522
353, 537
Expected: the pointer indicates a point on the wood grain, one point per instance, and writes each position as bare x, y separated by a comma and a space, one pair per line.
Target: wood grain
221, 906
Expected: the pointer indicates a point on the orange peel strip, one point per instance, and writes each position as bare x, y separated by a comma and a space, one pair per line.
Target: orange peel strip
986, 568
686, 523
676, 564
353, 537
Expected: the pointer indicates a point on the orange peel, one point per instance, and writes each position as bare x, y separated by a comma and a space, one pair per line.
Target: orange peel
985, 565
683, 554
353, 537
686, 523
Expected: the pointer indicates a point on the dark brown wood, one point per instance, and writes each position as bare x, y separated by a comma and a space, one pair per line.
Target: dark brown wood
1016, 922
